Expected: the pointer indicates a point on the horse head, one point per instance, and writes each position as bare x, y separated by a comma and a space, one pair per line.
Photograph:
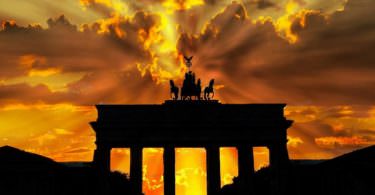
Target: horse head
212, 81
188, 59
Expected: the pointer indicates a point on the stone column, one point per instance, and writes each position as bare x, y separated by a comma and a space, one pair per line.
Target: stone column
136, 169
278, 154
169, 170
101, 162
245, 168
284, 156
102, 156
278, 160
213, 169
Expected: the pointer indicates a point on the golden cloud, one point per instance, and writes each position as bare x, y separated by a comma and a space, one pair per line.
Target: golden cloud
294, 141
332, 142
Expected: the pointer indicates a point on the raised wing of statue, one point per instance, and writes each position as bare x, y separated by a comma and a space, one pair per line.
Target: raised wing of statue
188, 58
188, 61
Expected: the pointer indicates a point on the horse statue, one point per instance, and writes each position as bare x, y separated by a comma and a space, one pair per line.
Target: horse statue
174, 90
209, 90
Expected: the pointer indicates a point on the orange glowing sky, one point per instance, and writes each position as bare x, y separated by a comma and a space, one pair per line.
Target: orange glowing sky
59, 58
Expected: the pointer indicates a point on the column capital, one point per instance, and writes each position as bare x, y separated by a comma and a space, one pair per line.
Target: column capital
102, 155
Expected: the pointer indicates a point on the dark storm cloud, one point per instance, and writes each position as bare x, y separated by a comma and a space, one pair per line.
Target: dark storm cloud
210, 2
121, 87
61, 23
263, 4
66, 48
107, 59
331, 63
17, 93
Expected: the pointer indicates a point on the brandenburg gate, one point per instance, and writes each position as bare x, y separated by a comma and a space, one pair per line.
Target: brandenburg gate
200, 123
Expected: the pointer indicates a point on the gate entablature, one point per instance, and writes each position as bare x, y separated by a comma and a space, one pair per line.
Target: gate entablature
189, 124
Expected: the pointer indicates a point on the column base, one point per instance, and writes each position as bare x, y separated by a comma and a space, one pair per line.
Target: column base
136, 169
213, 170
169, 171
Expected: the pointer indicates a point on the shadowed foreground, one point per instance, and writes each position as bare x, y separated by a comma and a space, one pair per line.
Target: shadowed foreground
26, 173
349, 174
30, 174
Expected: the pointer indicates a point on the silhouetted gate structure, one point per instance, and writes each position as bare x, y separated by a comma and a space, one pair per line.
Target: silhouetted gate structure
207, 124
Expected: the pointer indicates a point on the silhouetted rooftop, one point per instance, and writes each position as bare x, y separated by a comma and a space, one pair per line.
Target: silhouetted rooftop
76, 164
365, 156
307, 161
13, 158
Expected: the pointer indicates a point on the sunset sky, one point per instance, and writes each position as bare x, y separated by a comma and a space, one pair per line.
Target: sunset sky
59, 58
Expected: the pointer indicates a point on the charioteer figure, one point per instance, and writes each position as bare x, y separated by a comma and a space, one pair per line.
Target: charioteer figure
190, 87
